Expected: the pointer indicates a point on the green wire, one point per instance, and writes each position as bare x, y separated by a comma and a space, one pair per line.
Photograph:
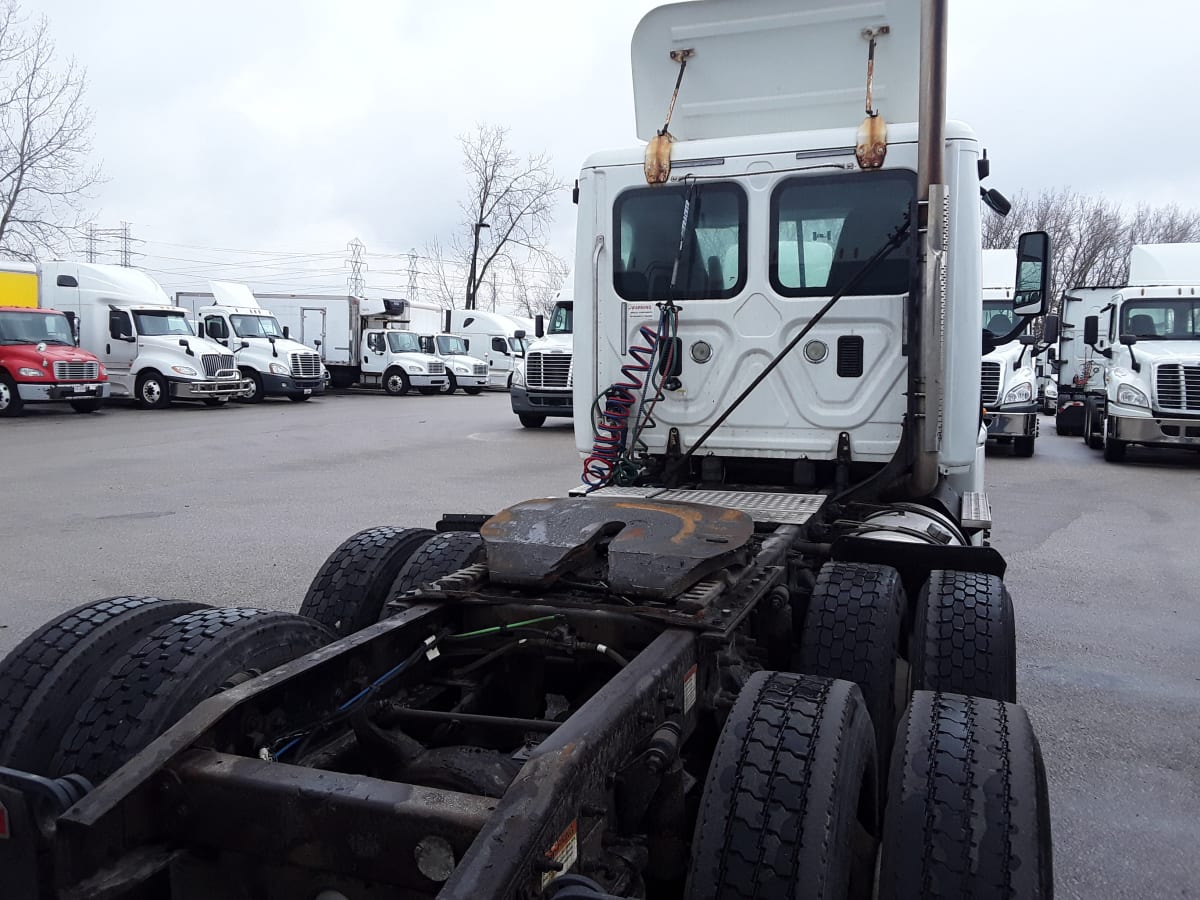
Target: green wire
496, 629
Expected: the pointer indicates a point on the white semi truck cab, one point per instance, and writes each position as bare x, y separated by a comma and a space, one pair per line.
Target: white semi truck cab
463, 370
145, 342
272, 363
1147, 339
543, 385
498, 339
1007, 378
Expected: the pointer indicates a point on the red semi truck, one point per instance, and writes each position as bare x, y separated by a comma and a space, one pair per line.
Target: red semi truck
40, 363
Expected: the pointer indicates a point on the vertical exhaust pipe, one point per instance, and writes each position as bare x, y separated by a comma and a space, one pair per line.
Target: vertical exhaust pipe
927, 364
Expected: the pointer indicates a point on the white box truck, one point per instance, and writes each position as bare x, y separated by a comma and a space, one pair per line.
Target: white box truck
1147, 340
1007, 381
272, 363
361, 341
146, 343
464, 369
543, 383
498, 339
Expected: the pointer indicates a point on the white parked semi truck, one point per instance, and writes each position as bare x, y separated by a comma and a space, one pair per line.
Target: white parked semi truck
498, 339
272, 363
1007, 380
765, 651
464, 369
1080, 370
543, 383
145, 342
361, 341
1146, 339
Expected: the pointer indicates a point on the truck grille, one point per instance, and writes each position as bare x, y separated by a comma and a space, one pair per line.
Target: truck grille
480, 369
989, 384
437, 368
306, 365
548, 370
1179, 387
219, 365
76, 371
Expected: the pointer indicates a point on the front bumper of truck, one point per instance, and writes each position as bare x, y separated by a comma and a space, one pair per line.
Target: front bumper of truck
287, 386
542, 403
1154, 430
428, 381
203, 390
1015, 420
50, 393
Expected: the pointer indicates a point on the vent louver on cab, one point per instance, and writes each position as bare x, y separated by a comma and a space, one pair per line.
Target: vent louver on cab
850, 356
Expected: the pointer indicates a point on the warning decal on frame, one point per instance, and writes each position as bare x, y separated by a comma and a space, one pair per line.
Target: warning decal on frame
640, 312
689, 690
564, 851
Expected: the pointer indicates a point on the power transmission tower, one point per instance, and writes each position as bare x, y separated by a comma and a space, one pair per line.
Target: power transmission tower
412, 275
91, 242
126, 255
355, 283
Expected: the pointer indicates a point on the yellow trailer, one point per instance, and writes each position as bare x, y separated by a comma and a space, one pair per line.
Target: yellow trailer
18, 283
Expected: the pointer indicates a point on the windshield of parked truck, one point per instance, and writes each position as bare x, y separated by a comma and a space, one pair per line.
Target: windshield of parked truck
517, 345
449, 345
256, 326
998, 317
647, 228
163, 322
403, 342
34, 328
560, 320
1162, 319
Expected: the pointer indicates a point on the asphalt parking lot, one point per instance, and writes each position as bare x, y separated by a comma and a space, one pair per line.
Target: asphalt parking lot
241, 505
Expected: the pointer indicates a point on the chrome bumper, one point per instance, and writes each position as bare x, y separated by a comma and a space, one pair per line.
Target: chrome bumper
1012, 422
201, 390
1138, 430
420, 381
48, 393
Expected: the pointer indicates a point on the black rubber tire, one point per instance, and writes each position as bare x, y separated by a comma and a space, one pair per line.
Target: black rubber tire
257, 396
1093, 433
350, 589
395, 382
15, 404
160, 401
451, 383
531, 420
968, 813
177, 666
852, 630
1114, 450
473, 391
428, 391
964, 637
50, 674
86, 407
1023, 446
216, 402
788, 805
441, 555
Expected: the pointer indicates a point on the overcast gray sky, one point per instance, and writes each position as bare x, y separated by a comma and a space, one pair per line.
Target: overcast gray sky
282, 130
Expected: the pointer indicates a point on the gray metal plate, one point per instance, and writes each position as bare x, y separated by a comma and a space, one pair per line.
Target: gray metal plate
976, 510
761, 506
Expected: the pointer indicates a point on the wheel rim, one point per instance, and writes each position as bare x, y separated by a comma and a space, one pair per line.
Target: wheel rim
395, 383
5, 396
253, 391
151, 391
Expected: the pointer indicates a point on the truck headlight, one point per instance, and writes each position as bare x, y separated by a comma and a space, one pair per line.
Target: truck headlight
1021, 393
518, 375
461, 370
1128, 395
279, 369
103, 371
184, 370
416, 370
26, 372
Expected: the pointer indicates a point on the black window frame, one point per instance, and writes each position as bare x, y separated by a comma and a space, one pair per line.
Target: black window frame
829, 290
120, 315
743, 207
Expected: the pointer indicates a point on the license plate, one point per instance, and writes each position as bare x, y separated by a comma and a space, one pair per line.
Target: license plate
80, 388
307, 391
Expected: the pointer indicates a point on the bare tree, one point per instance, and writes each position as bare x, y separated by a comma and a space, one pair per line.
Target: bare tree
44, 171
535, 288
1091, 236
507, 213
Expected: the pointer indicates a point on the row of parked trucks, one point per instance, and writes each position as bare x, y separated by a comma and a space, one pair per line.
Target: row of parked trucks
80, 333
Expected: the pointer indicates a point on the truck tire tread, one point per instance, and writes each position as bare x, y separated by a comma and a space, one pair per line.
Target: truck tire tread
175, 667
964, 636
782, 796
967, 811
441, 555
46, 678
350, 589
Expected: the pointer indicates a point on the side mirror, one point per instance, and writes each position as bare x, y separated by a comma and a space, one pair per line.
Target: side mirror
317, 344
246, 345
1128, 339
1052, 354
1091, 330
287, 334
539, 326
519, 334
1050, 327
1033, 274
1027, 340
200, 330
